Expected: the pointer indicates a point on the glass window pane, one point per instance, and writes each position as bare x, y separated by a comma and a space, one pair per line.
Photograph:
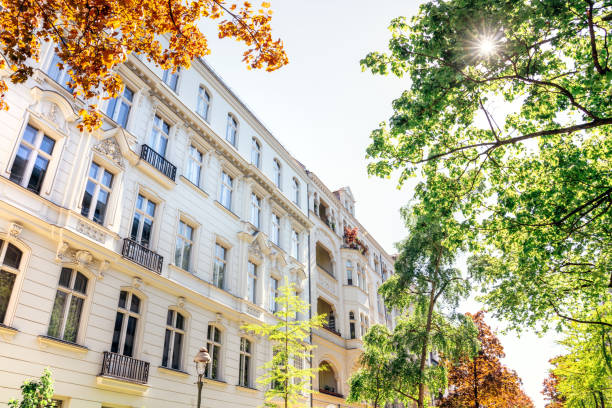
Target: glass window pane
29, 135
150, 208
117, 332
186, 256
65, 276
74, 317
180, 321
139, 202
47, 144
135, 305
170, 317
128, 94
80, 283
87, 197
110, 108
177, 350
147, 230
135, 225
122, 299
57, 314
93, 171
12, 257
19, 164
38, 174
107, 179
130, 337
217, 335
100, 210
166, 348
7, 280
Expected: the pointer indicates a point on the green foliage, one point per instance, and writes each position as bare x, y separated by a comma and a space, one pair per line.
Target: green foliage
289, 337
531, 179
35, 394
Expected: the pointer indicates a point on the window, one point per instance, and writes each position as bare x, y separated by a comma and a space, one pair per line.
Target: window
220, 266
275, 229
32, 159
295, 244
10, 256
184, 243
203, 103
171, 78
194, 165
68, 305
126, 324
349, 273
214, 349
159, 135
381, 307
173, 341
277, 173
255, 210
296, 192
252, 282
142, 224
232, 129
362, 278
225, 192
59, 75
255, 153
118, 108
244, 378
97, 192
273, 294
352, 324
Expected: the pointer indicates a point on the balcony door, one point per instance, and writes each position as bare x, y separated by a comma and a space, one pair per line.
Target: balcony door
126, 324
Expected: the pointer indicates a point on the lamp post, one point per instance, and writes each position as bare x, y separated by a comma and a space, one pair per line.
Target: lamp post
201, 359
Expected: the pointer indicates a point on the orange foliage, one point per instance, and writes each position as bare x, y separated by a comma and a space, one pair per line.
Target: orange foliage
484, 381
555, 400
93, 36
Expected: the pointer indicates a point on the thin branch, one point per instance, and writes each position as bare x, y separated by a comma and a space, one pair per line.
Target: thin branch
576, 320
600, 69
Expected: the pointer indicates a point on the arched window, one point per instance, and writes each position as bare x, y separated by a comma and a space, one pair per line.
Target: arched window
349, 273
255, 210
352, 325
244, 373
255, 153
275, 229
10, 262
276, 166
327, 379
126, 324
213, 343
203, 103
324, 259
232, 129
296, 191
171, 78
295, 244
173, 340
68, 305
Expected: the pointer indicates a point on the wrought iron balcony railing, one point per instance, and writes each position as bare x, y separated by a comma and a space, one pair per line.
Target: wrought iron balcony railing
125, 368
143, 256
329, 392
158, 161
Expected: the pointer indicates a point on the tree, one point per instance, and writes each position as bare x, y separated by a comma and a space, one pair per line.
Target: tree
36, 394
93, 36
288, 336
511, 101
426, 288
550, 391
484, 381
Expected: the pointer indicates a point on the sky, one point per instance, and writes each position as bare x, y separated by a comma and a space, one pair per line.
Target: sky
322, 108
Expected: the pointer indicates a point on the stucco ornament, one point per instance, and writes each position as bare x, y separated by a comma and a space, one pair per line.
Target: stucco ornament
15, 229
110, 148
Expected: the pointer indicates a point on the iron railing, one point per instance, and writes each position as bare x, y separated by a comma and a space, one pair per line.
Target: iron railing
143, 256
332, 329
158, 161
125, 368
329, 392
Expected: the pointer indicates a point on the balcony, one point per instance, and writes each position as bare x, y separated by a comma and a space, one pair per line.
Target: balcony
158, 161
141, 255
332, 329
330, 392
125, 368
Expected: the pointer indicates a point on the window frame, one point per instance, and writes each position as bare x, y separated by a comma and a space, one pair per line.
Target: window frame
273, 294
199, 102
70, 293
232, 123
11, 306
277, 176
127, 314
256, 149
252, 279
157, 130
167, 77
216, 345
194, 163
173, 331
295, 244
275, 229
217, 261
138, 239
243, 356
185, 239
255, 204
119, 101
102, 165
352, 326
296, 191
225, 187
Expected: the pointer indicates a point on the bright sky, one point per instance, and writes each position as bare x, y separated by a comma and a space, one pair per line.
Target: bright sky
322, 107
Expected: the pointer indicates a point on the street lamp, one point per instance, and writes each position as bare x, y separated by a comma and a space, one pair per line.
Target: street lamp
201, 359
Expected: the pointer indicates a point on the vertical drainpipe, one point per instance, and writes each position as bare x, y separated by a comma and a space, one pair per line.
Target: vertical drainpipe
309, 285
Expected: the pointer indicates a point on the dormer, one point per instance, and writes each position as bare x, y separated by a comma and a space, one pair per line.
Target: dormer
345, 195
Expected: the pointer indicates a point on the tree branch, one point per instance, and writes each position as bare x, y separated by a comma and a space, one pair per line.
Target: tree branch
600, 69
576, 320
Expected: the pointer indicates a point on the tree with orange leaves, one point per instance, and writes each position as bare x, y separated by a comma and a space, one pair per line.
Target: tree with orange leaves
93, 36
484, 381
550, 391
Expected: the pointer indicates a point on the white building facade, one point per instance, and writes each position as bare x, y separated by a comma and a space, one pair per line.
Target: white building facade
125, 250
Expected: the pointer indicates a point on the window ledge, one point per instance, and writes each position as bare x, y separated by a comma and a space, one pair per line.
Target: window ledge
217, 383
173, 371
7, 332
45, 341
193, 186
123, 386
228, 211
247, 389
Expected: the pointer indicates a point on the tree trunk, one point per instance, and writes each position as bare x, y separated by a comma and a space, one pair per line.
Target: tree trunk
476, 404
432, 301
601, 398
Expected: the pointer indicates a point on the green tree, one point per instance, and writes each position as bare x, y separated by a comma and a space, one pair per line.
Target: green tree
426, 288
36, 394
289, 337
532, 179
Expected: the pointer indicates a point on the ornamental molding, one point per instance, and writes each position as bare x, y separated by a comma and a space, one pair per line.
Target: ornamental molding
15, 229
111, 149
66, 254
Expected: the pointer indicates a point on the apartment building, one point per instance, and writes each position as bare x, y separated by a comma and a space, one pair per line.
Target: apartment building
125, 250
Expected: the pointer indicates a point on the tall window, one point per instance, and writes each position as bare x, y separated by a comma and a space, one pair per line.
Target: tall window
173, 341
194, 165
59, 75
252, 282
364, 328
68, 305
10, 256
225, 192
232, 129
352, 325
296, 192
203, 103
244, 378
362, 278
118, 108
159, 135
142, 224
255, 210
295, 244
184, 243
97, 192
349, 272
276, 167
214, 349
126, 324
32, 159
275, 229
220, 266
255, 153
381, 307
273, 294
171, 78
